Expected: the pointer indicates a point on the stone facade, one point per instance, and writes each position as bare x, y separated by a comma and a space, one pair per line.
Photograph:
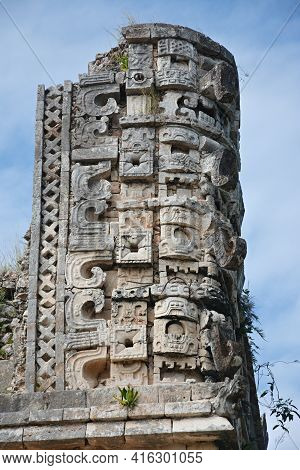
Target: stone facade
136, 256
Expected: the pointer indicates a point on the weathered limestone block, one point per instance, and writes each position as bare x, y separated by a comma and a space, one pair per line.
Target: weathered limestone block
175, 336
175, 307
83, 270
180, 242
14, 418
138, 105
186, 409
71, 436
88, 182
147, 411
103, 413
87, 369
211, 424
45, 416
136, 156
11, 438
175, 72
99, 100
133, 372
76, 415
139, 80
133, 313
106, 435
175, 370
106, 149
128, 342
6, 372
83, 308
143, 433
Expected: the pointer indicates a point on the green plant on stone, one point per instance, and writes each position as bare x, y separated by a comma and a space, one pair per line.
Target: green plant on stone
120, 59
249, 322
128, 396
123, 62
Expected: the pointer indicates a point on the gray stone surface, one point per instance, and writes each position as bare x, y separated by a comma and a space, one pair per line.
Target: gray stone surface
11, 438
6, 373
185, 409
174, 393
113, 412
211, 424
51, 437
106, 435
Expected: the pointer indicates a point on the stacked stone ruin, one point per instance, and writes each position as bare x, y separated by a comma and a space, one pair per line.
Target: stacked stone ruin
136, 255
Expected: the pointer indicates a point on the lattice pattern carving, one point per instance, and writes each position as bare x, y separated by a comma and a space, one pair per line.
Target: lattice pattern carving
51, 168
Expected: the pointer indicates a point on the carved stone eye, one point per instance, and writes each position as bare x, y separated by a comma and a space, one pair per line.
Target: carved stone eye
100, 100
128, 343
139, 77
174, 328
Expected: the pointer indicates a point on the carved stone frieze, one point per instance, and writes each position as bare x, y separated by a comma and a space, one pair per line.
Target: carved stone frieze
90, 234
129, 313
177, 47
174, 72
134, 247
128, 343
176, 215
136, 157
99, 101
140, 56
176, 307
179, 135
83, 308
220, 83
107, 148
219, 353
139, 80
175, 369
83, 270
180, 242
133, 277
88, 182
89, 132
123, 293
87, 369
174, 336
129, 372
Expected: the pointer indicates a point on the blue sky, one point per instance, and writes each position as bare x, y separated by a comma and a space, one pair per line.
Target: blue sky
67, 35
